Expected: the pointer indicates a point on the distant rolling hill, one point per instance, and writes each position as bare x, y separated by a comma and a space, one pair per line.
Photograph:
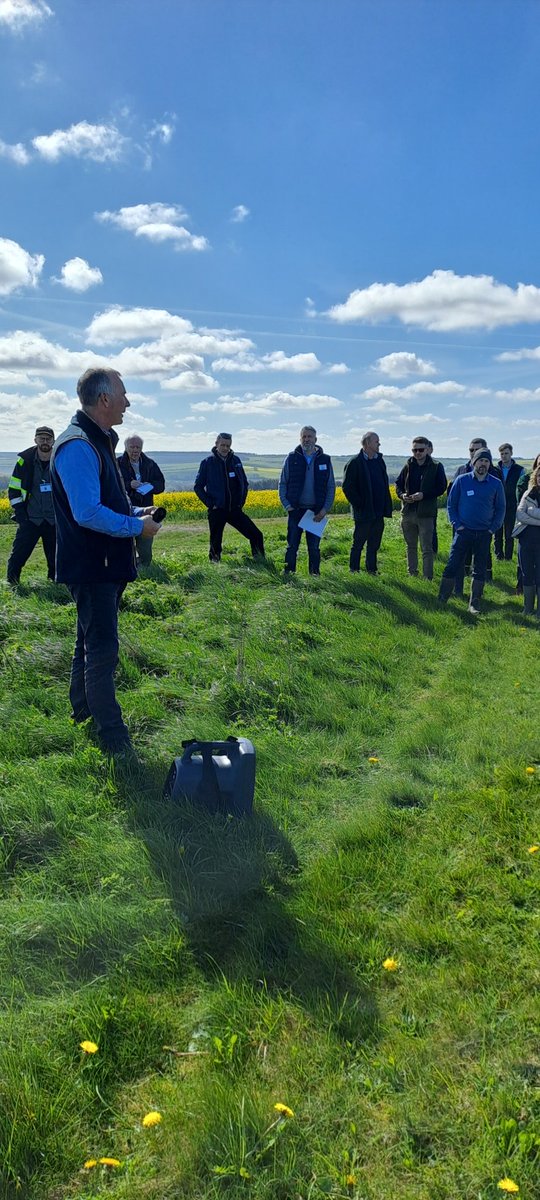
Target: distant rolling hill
180, 467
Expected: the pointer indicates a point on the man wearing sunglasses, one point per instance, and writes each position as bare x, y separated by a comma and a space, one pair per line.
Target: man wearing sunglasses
30, 497
418, 486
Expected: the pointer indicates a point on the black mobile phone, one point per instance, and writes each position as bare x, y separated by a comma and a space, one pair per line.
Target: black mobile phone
159, 515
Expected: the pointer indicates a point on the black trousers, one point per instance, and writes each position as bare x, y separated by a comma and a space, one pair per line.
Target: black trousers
26, 539
369, 532
218, 518
504, 542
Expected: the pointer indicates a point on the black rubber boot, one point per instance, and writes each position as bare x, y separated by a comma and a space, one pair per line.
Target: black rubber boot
529, 596
477, 587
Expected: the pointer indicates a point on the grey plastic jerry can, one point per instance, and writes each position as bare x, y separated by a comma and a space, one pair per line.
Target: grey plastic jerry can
220, 776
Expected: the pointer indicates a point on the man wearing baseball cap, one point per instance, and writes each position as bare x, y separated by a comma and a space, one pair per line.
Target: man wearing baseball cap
476, 508
30, 496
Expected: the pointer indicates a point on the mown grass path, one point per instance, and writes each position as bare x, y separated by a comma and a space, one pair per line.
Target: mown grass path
222, 967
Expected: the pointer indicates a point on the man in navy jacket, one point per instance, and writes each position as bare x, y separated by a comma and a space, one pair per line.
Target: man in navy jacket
222, 486
476, 507
95, 526
306, 483
142, 477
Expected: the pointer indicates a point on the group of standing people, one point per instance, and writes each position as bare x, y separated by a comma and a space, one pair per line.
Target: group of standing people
75, 495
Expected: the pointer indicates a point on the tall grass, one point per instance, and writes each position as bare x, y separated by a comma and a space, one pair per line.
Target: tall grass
223, 967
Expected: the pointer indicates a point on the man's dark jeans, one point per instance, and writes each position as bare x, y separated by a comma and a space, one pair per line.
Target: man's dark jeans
294, 536
478, 542
369, 532
95, 659
218, 518
504, 542
26, 539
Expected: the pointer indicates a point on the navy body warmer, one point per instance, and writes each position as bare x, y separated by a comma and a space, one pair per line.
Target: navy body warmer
297, 474
83, 555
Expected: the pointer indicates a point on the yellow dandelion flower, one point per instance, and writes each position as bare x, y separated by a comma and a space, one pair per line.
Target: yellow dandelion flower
90, 1162
283, 1110
534, 849
151, 1118
390, 964
373, 759
507, 1185
111, 1162
89, 1047
530, 770
350, 1180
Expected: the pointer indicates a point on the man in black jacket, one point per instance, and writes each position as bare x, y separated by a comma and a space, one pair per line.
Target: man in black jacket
511, 473
142, 478
30, 496
222, 486
418, 486
365, 484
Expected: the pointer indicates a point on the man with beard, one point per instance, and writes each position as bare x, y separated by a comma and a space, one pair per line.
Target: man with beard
476, 507
222, 486
30, 496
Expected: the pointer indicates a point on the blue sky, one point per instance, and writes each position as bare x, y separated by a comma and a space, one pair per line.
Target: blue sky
272, 212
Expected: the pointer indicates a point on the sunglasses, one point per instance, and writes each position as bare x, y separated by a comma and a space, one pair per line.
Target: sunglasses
419, 449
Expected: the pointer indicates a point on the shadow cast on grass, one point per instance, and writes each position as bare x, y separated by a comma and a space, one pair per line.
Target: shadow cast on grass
233, 883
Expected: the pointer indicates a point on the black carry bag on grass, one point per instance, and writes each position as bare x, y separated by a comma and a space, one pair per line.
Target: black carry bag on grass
219, 776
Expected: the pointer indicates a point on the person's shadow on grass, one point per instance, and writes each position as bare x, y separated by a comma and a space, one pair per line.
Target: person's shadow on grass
233, 884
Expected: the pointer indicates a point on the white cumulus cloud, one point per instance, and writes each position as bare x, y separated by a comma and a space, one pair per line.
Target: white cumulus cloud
239, 214
532, 352
18, 268
100, 143
269, 402
383, 391
78, 275
403, 363
157, 222
340, 368
17, 14
16, 153
276, 361
190, 381
443, 301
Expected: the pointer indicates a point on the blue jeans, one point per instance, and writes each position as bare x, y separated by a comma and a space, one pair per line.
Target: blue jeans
294, 535
478, 542
95, 659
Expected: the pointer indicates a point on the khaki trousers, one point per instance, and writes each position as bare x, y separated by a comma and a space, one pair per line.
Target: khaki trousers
414, 528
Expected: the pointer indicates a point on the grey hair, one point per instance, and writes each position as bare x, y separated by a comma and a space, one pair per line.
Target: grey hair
366, 436
95, 381
131, 437
311, 429
482, 442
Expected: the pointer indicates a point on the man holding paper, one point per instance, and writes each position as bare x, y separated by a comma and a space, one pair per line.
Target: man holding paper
306, 490
142, 477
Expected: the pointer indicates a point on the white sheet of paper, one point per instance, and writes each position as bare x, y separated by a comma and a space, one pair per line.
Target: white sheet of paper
317, 527
144, 488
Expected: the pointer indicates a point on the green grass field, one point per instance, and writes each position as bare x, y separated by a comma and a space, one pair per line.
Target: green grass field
223, 967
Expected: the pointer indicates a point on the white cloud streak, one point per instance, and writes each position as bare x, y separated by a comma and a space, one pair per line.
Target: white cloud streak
156, 222
276, 361
383, 391
443, 301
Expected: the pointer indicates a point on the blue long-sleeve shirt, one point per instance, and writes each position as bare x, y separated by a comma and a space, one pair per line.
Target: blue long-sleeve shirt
476, 504
78, 467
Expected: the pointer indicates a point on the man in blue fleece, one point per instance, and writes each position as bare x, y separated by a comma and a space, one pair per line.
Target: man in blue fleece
476, 508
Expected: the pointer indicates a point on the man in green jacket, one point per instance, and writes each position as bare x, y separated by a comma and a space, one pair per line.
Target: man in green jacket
418, 486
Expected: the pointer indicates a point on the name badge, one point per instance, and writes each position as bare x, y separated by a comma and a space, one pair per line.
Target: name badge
45, 487
232, 474
323, 467
470, 493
